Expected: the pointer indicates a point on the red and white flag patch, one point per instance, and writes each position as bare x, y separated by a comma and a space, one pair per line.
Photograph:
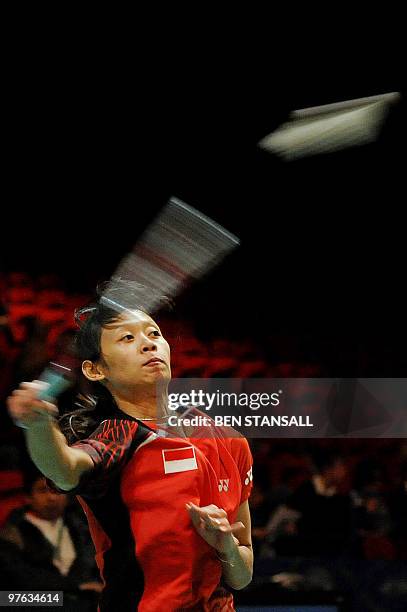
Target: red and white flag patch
179, 459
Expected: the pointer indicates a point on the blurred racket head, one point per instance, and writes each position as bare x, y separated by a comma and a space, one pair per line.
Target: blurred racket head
180, 245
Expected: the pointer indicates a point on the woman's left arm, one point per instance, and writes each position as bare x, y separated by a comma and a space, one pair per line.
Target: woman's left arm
233, 543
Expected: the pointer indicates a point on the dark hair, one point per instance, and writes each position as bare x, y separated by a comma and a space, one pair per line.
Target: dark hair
30, 476
325, 458
112, 299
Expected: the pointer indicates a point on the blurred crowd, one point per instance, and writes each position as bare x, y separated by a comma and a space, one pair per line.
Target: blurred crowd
320, 508
330, 498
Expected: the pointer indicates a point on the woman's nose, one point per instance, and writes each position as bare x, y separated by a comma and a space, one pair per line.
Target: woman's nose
147, 344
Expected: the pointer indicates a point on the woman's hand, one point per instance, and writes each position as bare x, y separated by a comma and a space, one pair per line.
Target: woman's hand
213, 526
25, 407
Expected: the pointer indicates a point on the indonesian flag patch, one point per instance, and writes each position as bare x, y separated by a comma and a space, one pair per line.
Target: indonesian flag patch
179, 460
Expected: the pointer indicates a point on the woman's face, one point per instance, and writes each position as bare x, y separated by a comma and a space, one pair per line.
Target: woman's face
134, 352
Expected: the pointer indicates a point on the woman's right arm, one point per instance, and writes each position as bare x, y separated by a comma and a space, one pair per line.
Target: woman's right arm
46, 443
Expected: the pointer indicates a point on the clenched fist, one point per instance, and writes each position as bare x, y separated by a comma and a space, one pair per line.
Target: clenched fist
213, 526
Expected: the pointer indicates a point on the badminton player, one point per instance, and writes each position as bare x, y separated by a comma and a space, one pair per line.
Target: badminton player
169, 516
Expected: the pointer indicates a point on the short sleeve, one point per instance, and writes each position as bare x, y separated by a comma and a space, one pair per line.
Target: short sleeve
110, 447
244, 460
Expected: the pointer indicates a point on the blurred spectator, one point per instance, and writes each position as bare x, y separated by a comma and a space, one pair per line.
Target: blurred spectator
45, 547
281, 525
324, 527
282, 532
372, 516
291, 478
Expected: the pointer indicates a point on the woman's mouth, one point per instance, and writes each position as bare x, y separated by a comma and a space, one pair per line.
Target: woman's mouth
153, 362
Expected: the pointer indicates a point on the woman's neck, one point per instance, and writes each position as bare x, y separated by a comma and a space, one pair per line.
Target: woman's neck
143, 404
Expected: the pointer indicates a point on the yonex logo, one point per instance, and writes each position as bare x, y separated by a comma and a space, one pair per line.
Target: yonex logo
249, 476
224, 484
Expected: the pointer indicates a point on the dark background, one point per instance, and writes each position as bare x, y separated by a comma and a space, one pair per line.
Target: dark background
93, 150
95, 142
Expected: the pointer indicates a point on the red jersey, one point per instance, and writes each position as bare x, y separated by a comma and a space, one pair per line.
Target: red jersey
148, 552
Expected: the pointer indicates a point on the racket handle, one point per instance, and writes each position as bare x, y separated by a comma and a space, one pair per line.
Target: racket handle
57, 383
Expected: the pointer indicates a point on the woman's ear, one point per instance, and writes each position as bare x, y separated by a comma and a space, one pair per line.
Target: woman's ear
92, 371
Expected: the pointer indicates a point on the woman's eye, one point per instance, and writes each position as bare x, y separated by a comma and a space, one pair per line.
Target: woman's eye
156, 333
127, 337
